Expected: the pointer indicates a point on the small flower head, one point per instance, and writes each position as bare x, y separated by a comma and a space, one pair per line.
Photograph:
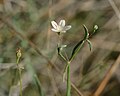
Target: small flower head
18, 53
60, 28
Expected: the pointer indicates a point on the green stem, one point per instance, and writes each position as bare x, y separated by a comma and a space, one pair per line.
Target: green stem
19, 70
62, 56
20, 82
68, 80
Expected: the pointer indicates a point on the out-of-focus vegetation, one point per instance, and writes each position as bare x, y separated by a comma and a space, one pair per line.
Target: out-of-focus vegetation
26, 24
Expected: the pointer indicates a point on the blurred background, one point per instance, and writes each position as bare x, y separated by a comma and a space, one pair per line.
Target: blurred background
26, 24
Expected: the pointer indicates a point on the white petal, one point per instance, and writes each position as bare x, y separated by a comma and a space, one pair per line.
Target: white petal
54, 30
63, 31
62, 23
63, 46
54, 24
67, 27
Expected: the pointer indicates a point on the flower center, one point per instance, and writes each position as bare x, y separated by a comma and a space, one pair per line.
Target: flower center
60, 28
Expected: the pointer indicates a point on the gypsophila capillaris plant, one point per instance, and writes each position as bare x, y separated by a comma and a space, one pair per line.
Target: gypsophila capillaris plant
61, 28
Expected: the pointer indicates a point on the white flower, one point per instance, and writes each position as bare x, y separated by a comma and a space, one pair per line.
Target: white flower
60, 27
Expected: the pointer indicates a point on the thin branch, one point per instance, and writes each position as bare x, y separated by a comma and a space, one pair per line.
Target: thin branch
112, 3
115, 8
107, 77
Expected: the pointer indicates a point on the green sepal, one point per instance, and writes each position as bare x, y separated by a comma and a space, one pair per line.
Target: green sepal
86, 32
90, 44
60, 54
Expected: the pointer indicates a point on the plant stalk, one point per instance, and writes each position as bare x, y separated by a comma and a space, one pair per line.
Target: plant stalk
19, 70
68, 80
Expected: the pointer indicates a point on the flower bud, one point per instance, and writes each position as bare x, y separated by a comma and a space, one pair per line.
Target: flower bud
96, 27
18, 53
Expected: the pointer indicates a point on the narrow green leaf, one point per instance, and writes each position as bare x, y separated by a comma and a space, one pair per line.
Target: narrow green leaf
90, 44
76, 49
38, 84
35, 79
86, 32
